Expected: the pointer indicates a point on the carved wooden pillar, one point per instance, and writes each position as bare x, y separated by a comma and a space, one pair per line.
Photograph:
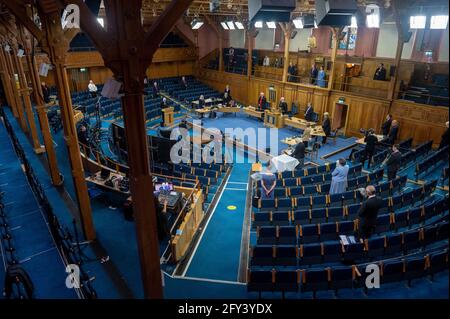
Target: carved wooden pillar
335, 38
249, 53
25, 93
15, 91
7, 83
398, 52
58, 44
287, 38
43, 121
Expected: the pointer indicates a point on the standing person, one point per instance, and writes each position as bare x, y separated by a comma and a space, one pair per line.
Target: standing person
268, 183
299, 153
309, 112
261, 101
164, 103
227, 90
313, 73
184, 83
368, 212
393, 162
444, 138
291, 72
231, 56
321, 77
371, 141
326, 126
92, 88
339, 177
386, 126
283, 106
393, 133
45, 92
162, 219
226, 99
155, 89
380, 73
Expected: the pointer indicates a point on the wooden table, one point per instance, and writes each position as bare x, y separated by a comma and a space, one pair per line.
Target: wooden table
208, 102
298, 123
229, 109
291, 141
251, 111
201, 140
98, 181
273, 119
361, 140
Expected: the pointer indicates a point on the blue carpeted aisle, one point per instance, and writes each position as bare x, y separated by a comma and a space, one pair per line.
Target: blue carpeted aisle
34, 245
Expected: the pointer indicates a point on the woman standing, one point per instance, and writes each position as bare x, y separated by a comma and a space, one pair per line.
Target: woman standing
321, 78
268, 183
339, 177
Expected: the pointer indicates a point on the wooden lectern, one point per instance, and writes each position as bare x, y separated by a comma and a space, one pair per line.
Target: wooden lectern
168, 116
273, 119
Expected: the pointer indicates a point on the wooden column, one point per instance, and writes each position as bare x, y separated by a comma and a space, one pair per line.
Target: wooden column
25, 92
58, 44
15, 91
398, 52
7, 83
287, 38
43, 121
335, 40
250, 40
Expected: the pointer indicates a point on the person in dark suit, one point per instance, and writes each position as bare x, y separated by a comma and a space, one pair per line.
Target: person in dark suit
261, 102
313, 73
164, 103
226, 99
326, 126
393, 162
386, 126
368, 212
45, 92
444, 138
393, 133
283, 106
155, 89
309, 112
227, 90
291, 72
380, 73
371, 141
184, 83
299, 153
162, 219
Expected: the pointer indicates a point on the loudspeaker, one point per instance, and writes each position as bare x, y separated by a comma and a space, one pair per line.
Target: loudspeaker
392, 70
335, 12
293, 34
308, 21
271, 10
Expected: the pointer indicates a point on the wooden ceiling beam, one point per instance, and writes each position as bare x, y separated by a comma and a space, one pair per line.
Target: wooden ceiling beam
19, 11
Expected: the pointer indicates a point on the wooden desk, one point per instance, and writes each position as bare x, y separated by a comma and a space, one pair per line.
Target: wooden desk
292, 141
251, 111
77, 116
227, 109
298, 123
168, 116
361, 140
96, 180
208, 102
201, 140
273, 119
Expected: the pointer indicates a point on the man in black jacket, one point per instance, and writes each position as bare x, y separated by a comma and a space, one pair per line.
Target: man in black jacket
261, 102
326, 126
299, 153
380, 73
283, 106
309, 112
371, 141
386, 126
393, 162
393, 133
369, 211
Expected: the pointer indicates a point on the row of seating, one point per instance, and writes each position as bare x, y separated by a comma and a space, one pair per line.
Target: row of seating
307, 171
339, 199
351, 277
281, 191
432, 160
336, 213
323, 230
308, 253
